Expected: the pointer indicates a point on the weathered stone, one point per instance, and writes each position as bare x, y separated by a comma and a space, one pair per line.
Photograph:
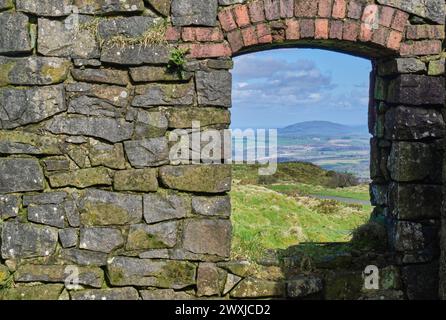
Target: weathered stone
161, 207
433, 10
68, 237
98, 7
208, 280
4, 274
104, 208
19, 142
257, 288
9, 206
45, 198
55, 164
181, 118
239, 268
108, 76
125, 294
401, 65
196, 12
15, 37
89, 276
150, 124
155, 74
147, 153
157, 236
161, 6
86, 63
135, 55
379, 194
49, 214
414, 161
409, 89
143, 180
436, 67
212, 206
390, 278
164, 95
408, 236
72, 213
102, 154
63, 39
33, 70
408, 123
19, 175
94, 107
114, 95
165, 294
82, 178
231, 282
421, 281
51, 8
123, 271
38, 292
343, 285
214, 88
129, 27
27, 240
220, 64
100, 239
84, 257
197, 178
303, 286
6, 4
207, 236
21, 106
415, 201
113, 130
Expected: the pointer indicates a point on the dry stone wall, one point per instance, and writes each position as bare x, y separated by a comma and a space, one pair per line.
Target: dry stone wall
88, 103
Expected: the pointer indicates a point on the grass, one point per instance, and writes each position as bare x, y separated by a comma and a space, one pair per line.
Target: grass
266, 219
360, 192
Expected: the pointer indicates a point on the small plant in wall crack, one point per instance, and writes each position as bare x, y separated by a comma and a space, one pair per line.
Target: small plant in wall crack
177, 61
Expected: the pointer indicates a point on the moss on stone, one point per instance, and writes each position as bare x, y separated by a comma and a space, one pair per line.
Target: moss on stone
176, 272
4, 275
39, 292
5, 69
55, 73
82, 178
141, 240
103, 214
46, 145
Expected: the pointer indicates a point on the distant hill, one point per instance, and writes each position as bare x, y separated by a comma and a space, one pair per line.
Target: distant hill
322, 129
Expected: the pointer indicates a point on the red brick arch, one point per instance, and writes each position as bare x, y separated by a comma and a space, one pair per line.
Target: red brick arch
368, 30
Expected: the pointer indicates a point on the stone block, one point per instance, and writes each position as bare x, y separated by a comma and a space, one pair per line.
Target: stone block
205, 236
27, 240
33, 70
168, 274
160, 207
100, 239
213, 88
197, 178
103, 208
194, 12
15, 37
157, 236
20, 174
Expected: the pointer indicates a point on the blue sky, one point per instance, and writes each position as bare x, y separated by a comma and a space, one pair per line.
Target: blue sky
273, 89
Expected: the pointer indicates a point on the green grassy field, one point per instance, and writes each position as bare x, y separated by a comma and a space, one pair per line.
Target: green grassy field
284, 214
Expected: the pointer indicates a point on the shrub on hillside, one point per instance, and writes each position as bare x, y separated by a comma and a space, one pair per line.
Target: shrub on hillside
341, 180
